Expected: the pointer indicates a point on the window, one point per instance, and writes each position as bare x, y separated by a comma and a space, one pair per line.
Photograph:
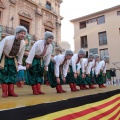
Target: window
103, 52
102, 38
25, 24
82, 24
118, 12
86, 56
48, 5
89, 21
94, 20
48, 30
101, 19
84, 42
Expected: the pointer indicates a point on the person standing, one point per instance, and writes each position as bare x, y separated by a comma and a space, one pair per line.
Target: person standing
11, 47
20, 76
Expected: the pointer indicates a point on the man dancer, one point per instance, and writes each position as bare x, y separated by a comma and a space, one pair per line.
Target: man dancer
93, 70
85, 69
73, 73
94, 65
10, 47
102, 71
37, 61
57, 70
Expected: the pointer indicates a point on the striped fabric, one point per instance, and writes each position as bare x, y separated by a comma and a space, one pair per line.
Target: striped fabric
108, 109
101, 106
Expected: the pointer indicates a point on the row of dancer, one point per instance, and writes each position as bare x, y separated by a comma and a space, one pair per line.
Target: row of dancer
11, 54
76, 70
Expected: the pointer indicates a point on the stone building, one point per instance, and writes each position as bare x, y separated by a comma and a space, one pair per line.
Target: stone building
37, 16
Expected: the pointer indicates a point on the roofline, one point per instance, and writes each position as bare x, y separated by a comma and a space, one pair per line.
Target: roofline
96, 13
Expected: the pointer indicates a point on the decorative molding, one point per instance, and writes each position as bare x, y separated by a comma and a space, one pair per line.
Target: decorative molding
38, 13
12, 1
49, 24
58, 24
25, 14
2, 4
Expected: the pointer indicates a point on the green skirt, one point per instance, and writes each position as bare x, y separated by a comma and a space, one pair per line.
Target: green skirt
70, 76
99, 79
9, 73
88, 79
51, 75
81, 81
35, 73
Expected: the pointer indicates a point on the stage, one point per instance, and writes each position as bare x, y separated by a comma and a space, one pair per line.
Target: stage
28, 106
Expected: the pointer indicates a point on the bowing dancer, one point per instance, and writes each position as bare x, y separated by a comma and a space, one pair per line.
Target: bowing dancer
85, 69
57, 70
74, 70
102, 71
38, 61
94, 65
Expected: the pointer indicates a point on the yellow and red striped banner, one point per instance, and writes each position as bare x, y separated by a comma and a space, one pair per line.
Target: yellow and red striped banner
108, 109
101, 106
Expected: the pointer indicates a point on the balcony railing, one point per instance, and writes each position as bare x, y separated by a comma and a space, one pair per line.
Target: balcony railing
10, 31
7, 30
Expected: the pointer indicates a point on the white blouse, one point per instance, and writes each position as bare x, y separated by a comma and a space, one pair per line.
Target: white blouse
6, 46
37, 49
102, 66
59, 59
73, 62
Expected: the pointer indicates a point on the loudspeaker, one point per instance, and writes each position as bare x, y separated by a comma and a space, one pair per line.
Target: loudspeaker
113, 73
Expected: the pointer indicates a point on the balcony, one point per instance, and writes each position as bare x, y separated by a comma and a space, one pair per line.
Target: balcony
7, 30
10, 31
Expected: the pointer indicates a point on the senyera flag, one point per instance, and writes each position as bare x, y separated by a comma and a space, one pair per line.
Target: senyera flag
102, 106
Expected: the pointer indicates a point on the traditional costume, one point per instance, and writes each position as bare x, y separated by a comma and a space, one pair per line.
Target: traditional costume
86, 69
20, 76
58, 68
101, 70
39, 57
10, 48
75, 63
94, 65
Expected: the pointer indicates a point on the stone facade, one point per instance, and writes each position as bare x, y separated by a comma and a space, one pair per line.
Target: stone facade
34, 14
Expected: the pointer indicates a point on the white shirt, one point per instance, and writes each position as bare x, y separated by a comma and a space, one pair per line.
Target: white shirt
6, 46
78, 67
73, 62
95, 68
102, 66
37, 49
86, 66
59, 59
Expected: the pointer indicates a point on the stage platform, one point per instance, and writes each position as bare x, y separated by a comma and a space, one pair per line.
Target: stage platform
91, 104
26, 98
